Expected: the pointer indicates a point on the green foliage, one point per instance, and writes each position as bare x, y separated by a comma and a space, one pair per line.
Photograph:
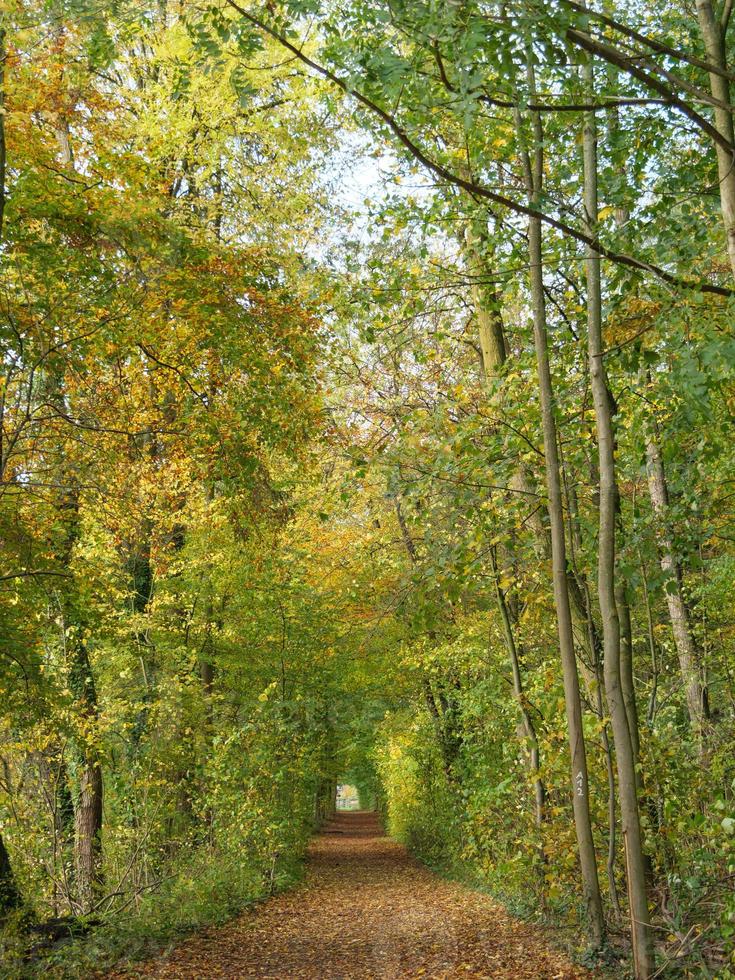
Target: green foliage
271, 519
203, 888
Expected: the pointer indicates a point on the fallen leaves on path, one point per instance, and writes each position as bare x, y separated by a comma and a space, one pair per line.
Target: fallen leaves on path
367, 910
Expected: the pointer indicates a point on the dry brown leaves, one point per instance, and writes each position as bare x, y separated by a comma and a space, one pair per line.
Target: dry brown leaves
367, 909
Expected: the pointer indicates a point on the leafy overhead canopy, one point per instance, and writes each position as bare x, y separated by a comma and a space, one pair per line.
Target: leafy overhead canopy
365, 415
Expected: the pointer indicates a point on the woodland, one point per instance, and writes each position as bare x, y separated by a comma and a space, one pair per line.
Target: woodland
366, 412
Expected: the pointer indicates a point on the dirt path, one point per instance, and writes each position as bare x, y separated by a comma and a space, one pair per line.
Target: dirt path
367, 910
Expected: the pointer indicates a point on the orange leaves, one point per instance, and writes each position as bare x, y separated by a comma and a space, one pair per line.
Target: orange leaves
633, 320
367, 909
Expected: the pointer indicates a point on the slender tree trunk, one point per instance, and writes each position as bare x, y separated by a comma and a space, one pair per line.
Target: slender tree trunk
533, 169
575, 541
529, 729
3, 151
89, 788
141, 579
714, 33
206, 661
486, 305
9, 893
88, 800
624, 752
689, 656
494, 350
580, 789
612, 816
88, 826
88, 809
494, 354
87, 749
686, 646
627, 680
652, 701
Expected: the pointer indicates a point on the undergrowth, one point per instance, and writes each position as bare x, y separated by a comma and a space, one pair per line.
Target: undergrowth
207, 890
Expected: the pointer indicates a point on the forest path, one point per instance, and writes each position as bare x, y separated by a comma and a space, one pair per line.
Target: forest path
367, 910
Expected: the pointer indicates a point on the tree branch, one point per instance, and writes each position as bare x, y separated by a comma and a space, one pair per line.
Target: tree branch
614, 57
659, 46
472, 187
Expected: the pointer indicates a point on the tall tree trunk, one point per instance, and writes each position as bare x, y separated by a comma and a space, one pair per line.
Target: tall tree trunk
627, 680
138, 563
714, 32
622, 602
486, 304
624, 752
494, 351
580, 789
612, 815
686, 646
529, 729
88, 767
88, 798
9, 894
88, 809
533, 169
595, 648
89, 788
206, 672
3, 152
494, 354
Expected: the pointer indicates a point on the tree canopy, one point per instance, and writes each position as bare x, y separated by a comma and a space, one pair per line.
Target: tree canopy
366, 403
